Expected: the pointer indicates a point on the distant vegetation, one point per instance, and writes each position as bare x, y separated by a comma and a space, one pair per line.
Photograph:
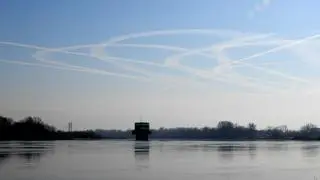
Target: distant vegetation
225, 130
33, 128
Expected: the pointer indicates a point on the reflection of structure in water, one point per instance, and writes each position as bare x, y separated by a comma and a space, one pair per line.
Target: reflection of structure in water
33, 151
227, 147
310, 150
142, 131
252, 148
29, 151
141, 150
278, 146
236, 147
30, 156
227, 150
3, 157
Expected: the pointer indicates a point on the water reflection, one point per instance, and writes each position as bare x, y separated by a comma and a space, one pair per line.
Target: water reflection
310, 150
31, 156
27, 151
278, 146
3, 158
227, 151
141, 150
252, 149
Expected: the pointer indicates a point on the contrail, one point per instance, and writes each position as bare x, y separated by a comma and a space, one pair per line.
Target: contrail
114, 40
226, 33
24, 45
276, 49
109, 58
87, 70
114, 59
127, 60
98, 57
105, 59
175, 64
173, 48
37, 64
154, 33
174, 60
45, 60
270, 71
151, 46
38, 56
100, 54
255, 80
155, 46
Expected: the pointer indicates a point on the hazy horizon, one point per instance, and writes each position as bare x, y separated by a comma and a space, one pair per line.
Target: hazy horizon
103, 64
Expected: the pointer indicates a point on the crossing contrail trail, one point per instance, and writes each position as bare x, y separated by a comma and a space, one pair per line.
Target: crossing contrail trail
228, 62
175, 59
121, 38
221, 33
106, 59
117, 39
63, 50
43, 50
87, 70
276, 49
281, 47
172, 62
153, 33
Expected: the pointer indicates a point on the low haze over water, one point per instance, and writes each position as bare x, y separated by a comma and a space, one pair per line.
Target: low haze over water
159, 160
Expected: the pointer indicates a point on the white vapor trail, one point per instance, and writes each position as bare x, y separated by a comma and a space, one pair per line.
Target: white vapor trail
276, 49
215, 52
175, 60
222, 33
115, 40
112, 59
92, 71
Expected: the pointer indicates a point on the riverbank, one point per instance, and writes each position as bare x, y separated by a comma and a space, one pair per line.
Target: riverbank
34, 129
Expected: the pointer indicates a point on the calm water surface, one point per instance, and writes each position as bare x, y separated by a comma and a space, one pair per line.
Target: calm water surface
159, 160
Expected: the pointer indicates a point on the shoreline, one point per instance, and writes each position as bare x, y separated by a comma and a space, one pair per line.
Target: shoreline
154, 139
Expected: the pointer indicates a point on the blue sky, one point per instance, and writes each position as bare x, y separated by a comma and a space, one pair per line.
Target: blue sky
173, 62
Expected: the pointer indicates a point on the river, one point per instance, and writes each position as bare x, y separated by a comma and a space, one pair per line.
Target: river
159, 160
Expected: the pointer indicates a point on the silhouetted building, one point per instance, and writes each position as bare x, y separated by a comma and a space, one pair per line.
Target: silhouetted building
142, 131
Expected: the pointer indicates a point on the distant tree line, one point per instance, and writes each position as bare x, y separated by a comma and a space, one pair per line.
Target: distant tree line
225, 130
33, 128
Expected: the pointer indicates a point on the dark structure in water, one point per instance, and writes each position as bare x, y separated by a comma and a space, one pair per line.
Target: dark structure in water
142, 131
